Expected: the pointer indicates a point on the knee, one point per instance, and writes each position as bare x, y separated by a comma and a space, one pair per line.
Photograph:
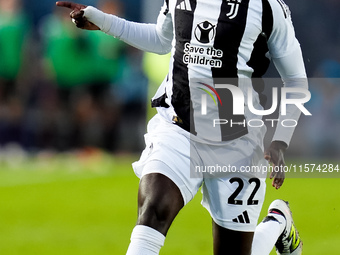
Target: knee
156, 213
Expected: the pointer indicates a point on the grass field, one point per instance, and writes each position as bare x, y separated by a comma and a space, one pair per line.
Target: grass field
74, 204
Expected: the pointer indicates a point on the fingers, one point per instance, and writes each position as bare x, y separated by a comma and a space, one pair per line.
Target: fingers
278, 178
276, 158
277, 182
80, 22
77, 14
78, 18
70, 5
83, 23
66, 4
277, 174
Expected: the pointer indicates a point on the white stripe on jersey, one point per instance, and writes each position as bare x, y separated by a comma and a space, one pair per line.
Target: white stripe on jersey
252, 30
203, 71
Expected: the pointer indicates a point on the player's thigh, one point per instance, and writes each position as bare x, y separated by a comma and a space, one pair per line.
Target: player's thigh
166, 185
168, 153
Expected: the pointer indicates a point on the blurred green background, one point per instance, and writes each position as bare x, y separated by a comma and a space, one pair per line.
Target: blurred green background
86, 203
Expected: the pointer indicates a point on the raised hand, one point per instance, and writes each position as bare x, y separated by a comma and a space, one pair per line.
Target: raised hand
77, 15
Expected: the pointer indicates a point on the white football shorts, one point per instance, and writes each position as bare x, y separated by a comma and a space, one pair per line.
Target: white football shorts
232, 193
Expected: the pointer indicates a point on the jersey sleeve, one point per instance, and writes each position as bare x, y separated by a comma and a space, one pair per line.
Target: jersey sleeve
282, 40
287, 57
154, 38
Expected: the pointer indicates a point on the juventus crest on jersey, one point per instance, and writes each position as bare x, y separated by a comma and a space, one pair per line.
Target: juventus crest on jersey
219, 42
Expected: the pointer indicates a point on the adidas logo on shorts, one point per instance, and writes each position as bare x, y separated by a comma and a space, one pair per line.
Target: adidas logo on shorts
242, 218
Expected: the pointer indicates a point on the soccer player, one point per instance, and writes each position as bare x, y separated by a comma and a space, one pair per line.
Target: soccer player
215, 44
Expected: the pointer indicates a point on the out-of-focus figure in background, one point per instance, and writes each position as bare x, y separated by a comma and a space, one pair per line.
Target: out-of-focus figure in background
46, 103
14, 29
85, 90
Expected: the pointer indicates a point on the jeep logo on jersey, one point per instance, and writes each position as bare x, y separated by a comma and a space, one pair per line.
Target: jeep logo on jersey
205, 32
234, 6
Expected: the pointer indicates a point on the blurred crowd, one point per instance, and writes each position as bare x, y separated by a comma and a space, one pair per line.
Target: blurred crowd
62, 88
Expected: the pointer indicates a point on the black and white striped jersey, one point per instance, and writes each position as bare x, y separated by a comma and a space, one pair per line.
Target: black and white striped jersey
217, 42
220, 41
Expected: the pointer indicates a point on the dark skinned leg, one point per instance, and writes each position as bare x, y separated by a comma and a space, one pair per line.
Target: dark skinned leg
230, 242
159, 201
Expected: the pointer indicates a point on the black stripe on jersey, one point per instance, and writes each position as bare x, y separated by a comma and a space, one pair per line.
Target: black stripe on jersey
258, 60
160, 102
167, 7
267, 19
180, 92
229, 33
